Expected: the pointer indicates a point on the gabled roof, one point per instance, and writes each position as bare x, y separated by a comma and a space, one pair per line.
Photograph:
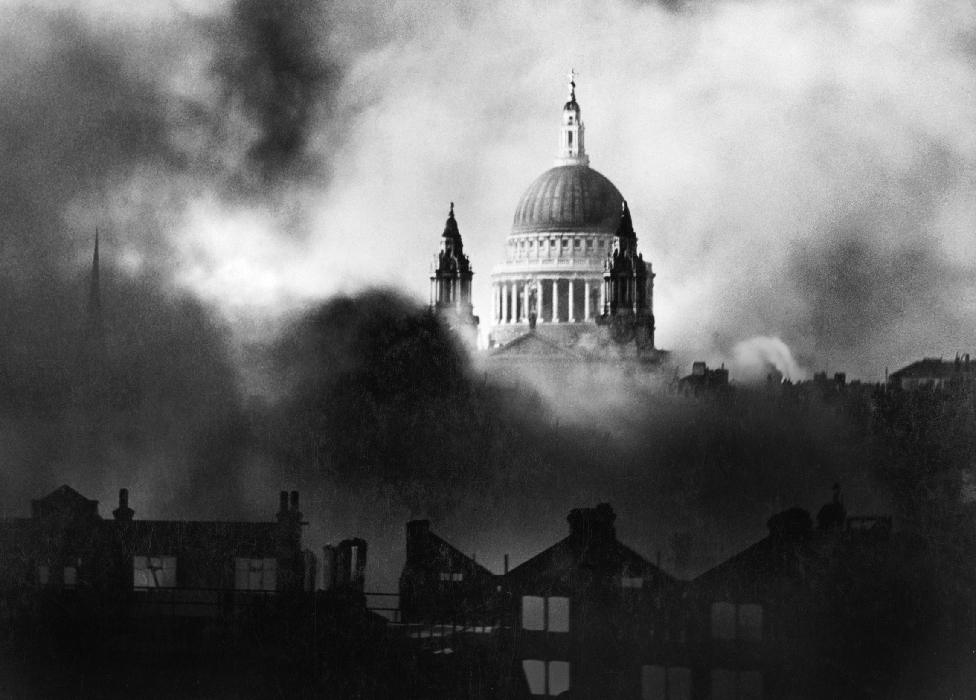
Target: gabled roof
566, 555
447, 550
533, 345
64, 500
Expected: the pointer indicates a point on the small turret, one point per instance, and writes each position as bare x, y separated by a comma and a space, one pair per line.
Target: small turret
450, 284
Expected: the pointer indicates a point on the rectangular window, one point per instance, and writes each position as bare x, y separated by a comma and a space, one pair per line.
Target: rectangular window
723, 621
558, 677
153, 572
631, 582
558, 614
255, 574
43, 575
570, 138
457, 577
550, 678
535, 675
445, 576
70, 577
533, 613
550, 614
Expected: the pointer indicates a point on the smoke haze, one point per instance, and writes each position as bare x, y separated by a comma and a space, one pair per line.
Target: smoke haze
800, 174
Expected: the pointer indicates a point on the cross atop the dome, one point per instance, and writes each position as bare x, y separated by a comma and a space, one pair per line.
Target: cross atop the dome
572, 83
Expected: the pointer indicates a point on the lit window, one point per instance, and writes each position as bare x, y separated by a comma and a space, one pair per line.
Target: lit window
445, 576
255, 574
558, 614
153, 572
558, 677
533, 613
550, 614
70, 577
457, 577
723, 621
631, 582
546, 678
535, 675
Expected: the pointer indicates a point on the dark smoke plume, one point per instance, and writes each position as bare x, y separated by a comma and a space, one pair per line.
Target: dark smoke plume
151, 402
271, 62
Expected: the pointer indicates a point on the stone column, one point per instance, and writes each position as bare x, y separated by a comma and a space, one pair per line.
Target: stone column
603, 297
513, 299
555, 300
586, 300
525, 301
538, 301
571, 303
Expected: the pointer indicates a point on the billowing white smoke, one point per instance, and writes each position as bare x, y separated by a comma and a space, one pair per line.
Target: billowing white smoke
753, 359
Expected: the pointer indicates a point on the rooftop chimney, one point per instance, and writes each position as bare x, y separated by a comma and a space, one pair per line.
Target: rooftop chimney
592, 523
123, 513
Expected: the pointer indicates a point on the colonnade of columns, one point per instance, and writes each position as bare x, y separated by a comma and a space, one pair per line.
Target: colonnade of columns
514, 300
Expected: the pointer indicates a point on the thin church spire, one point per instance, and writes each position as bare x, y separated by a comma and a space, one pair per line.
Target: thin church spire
95, 294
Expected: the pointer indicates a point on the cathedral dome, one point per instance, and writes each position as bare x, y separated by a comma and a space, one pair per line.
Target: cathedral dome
569, 198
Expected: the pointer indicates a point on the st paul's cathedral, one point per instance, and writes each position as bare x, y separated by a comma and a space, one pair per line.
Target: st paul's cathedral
573, 285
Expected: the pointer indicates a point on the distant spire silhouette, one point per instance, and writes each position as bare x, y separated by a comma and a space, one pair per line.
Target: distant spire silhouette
95, 295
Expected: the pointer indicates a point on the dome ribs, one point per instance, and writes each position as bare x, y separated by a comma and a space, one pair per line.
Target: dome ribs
568, 198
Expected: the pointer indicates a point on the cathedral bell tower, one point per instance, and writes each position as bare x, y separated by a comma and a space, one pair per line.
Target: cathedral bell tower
450, 284
628, 287
571, 149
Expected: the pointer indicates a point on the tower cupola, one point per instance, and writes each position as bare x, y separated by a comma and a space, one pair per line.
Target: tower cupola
571, 148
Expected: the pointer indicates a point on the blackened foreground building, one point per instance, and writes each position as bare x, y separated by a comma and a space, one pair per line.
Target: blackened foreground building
836, 609
67, 546
94, 607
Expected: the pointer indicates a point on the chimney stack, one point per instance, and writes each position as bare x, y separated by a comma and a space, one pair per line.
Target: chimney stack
123, 513
592, 523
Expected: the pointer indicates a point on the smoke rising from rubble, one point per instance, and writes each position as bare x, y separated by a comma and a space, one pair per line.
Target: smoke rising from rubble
753, 358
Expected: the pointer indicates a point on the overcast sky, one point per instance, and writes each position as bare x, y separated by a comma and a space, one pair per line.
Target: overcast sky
800, 170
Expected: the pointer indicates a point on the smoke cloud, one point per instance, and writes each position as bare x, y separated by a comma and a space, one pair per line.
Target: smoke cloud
753, 358
800, 175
